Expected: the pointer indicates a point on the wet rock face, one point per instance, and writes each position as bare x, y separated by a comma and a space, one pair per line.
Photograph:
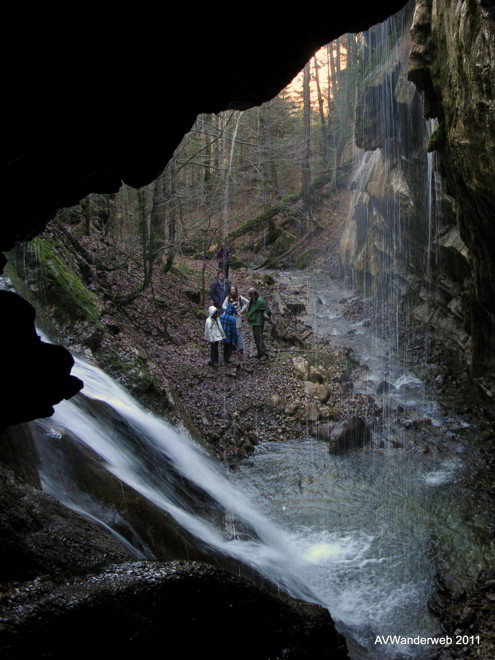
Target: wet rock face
453, 64
178, 610
384, 239
41, 537
352, 433
442, 256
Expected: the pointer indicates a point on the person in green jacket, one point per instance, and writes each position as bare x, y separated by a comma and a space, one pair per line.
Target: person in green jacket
256, 313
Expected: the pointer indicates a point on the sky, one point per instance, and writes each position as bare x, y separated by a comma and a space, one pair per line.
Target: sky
295, 88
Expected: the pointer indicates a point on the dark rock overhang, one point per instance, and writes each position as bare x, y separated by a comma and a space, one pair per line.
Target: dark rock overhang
92, 100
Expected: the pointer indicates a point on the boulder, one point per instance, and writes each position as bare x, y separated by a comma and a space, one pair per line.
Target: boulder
268, 279
277, 400
238, 264
292, 408
419, 423
328, 412
384, 387
301, 367
296, 308
312, 413
323, 432
322, 392
188, 609
310, 387
317, 374
413, 387
352, 433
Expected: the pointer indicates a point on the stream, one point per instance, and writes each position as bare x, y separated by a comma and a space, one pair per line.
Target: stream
376, 525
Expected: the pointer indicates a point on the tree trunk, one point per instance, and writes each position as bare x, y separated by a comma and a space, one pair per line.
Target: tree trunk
324, 147
261, 157
271, 160
207, 153
155, 244
143, 233
86, 209
171, 218
306, 171
335, 119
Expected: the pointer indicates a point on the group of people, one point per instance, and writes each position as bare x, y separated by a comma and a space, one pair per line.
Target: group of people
225, 322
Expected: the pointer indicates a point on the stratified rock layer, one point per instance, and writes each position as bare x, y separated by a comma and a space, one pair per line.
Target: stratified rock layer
453, 64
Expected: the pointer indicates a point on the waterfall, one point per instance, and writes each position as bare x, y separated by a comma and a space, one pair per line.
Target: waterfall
432, 187
389, 237
164, 467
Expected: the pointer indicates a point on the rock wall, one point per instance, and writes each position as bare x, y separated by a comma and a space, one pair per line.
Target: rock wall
453, 64
421, 227
383, 243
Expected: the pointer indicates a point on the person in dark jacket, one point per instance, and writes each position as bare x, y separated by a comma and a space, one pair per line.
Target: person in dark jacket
223, 256
219, 290
256, 313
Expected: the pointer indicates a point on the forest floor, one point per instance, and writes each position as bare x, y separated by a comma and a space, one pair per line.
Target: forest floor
154, 346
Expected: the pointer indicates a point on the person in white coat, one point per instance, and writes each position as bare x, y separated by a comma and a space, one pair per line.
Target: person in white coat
214, 334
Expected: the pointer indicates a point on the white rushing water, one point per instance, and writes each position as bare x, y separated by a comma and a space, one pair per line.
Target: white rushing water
269, 549
350, 533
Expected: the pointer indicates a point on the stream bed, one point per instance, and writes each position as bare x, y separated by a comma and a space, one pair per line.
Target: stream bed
377, 526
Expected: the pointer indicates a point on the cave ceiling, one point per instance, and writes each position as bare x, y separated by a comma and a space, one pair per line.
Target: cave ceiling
92, 100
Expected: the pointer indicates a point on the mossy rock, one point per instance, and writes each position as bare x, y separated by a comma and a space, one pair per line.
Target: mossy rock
237, 264
60, 285
282, 244
437, 140
161, 302
304, 260
182, 269
135, 375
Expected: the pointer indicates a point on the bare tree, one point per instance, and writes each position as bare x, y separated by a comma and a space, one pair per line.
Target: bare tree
321, 107
306, 168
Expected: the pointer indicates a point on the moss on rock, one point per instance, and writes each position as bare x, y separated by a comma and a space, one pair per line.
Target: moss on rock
437, 140
62, 285
304, 260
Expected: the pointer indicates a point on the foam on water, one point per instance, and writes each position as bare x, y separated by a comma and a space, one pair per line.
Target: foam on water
446, 473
